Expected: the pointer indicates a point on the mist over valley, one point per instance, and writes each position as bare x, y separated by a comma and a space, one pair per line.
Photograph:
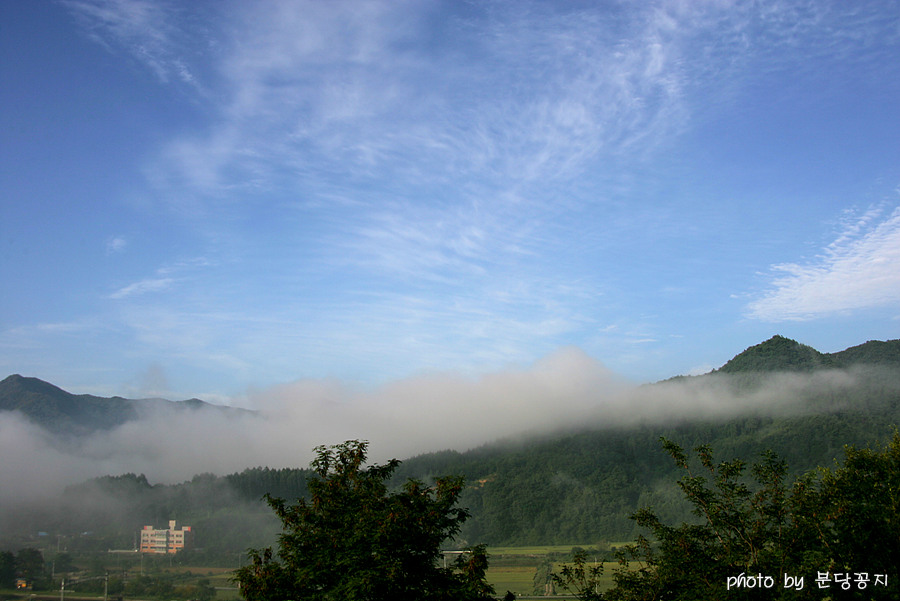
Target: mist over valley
563, 451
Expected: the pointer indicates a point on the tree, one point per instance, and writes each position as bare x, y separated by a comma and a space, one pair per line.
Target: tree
30, 565
62, 563
762, 533
7, 569
742, 530
853, 512
580, 577
353, 540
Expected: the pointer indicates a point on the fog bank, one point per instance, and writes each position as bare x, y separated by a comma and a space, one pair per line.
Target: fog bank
565, 390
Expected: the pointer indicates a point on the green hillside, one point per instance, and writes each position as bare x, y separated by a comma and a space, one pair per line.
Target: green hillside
783, 354
874, 352
582, 486
778, 354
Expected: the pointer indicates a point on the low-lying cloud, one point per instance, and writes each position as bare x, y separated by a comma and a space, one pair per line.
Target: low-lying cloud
566, 390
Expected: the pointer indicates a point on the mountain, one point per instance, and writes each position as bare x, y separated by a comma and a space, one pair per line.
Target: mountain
564, 487
572, 487
777, 354
873, 352
583, 485
64, 413
783, 354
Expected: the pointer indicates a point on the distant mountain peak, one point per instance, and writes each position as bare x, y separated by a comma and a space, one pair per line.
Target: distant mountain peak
70, 414
17, 382
778, 353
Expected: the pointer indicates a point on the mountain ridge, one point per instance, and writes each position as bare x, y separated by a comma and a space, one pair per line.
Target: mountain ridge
65, 413
556, 487
779, 353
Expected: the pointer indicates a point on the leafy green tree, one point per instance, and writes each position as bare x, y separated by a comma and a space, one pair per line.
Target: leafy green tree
741, 531
852, 511
756, 536
202, 590
150, 586
580, 577
353, 540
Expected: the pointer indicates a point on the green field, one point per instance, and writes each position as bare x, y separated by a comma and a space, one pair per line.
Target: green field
545, 550
513, 568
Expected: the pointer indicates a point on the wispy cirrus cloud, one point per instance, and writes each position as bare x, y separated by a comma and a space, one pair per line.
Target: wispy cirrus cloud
344, 106
146, 29
446, 179
142, 287
857, 271
372, 91
163, 279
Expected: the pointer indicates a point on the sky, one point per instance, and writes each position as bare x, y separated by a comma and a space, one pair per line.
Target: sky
213, 199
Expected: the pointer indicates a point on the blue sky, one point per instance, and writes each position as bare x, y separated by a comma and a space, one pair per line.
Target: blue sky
208, 198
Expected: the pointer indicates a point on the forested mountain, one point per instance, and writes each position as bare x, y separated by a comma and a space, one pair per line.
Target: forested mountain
62, 412
778, 354
874, 352
581, 486
563, 487
783, 354
59, 411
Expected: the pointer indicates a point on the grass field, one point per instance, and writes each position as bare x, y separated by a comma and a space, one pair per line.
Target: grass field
513, 568
536, 550
548, 549
520, 579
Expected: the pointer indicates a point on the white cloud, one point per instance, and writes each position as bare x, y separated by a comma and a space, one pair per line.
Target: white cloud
142, 287
32, 462
384, 90
859, 270
163, 279
428, 182
565, 390
116, 244
402, 418
144, 28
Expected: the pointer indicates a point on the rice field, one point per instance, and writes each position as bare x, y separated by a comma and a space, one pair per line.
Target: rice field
513, 568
